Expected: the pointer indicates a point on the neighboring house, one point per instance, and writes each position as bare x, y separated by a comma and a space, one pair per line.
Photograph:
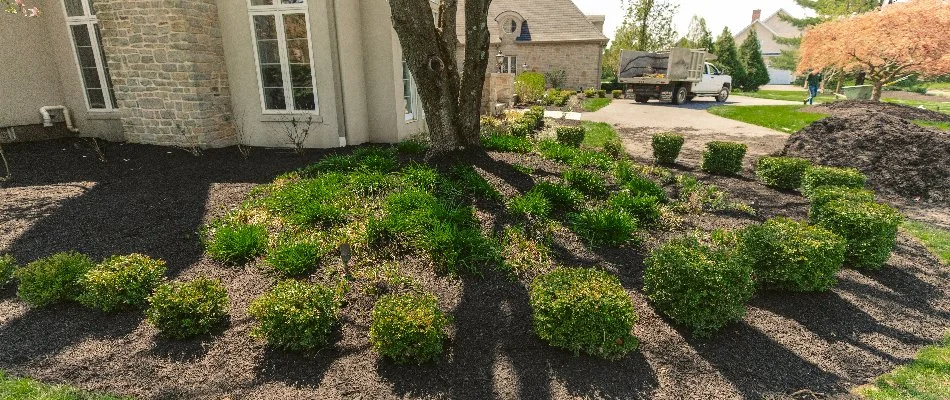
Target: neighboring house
213, 73
767, 30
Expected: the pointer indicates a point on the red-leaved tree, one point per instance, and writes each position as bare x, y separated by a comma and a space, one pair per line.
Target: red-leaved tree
889, 44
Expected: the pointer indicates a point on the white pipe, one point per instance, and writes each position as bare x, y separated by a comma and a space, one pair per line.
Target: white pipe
48, 120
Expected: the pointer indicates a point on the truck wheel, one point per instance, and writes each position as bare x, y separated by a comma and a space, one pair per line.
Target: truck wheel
679, 96
723, 95
641, 98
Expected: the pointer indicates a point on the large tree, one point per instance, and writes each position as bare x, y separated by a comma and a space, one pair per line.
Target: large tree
750, 55
647, 26
699, 35
451, 94
916, 41
823, 10
727, 57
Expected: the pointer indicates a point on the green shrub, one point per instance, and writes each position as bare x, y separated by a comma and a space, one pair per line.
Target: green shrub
414, 146
602, 94
824, 194
571, 135
408, 328
604, 226
561, 197
819, 176
782, 172
589, 93
791, 255
645, 208
618, 94
591, 159
292, 257
624, 171
870, 230
53, 279
583, 310
521, 129
587, 182
507, 143
723, 158
558, 98
666, 147
237, 244
296, 316
552, 150
529, 86
640, 186
121, 282
319, 200
532, 204
7, 267
613, 147
703, 287
185, 309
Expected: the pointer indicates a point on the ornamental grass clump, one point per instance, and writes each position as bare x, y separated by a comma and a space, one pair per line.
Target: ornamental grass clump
604, 226
236, 244
532, 204
583, 310
825, 194
782, 172
571, 135
791, 255
587, 182
293, 257
121, 282
296, 316
7, 266
52, 280
507, 143
666, 147
408, 328
870, 230
701, 286
185, 309
819, 176
322, 200
723, 158
562, 198
552, 150
641, 186
645, 208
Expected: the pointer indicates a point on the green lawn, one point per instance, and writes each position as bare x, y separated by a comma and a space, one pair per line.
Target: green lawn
598, 133
936, 239
938, 85
943, 107
787, 95
27, 389
596, 103
927, 378
785, 118
933, 124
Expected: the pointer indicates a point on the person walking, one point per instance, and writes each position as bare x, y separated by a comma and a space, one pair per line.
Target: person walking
813, 81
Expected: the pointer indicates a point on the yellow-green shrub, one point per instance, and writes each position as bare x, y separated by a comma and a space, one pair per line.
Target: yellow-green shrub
121, 282
408, 328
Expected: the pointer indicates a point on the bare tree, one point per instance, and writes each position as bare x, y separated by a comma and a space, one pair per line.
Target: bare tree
6, 166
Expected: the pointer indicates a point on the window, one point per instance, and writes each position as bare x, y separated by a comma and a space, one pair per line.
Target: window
87, 43
284, 55
509, 65
408, 92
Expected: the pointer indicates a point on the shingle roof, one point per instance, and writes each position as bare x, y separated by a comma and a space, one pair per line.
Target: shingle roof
547, 20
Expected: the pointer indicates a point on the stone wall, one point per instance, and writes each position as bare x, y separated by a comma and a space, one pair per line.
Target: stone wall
581, 60
497, 93
167, 64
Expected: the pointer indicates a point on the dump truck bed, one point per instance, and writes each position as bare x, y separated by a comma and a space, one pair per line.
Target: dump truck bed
658, 68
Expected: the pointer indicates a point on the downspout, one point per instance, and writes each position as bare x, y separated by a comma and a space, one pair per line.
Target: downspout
338, 75
48, 119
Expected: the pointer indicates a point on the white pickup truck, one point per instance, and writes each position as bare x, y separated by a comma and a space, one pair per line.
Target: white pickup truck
678, 76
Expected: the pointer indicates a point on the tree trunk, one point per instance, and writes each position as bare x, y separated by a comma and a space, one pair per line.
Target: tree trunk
878, 89
450, 98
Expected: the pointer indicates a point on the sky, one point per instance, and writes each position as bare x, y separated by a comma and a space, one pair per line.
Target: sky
736, 14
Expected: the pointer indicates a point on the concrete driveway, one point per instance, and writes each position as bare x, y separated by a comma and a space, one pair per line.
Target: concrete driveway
636, 123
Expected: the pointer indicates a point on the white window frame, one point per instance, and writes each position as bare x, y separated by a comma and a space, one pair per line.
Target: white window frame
413, 100
278, 11
91, 21
510, 65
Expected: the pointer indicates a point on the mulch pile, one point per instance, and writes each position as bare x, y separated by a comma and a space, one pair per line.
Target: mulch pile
899, 157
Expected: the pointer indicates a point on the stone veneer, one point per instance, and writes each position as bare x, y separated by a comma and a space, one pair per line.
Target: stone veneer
581, 60
167, 63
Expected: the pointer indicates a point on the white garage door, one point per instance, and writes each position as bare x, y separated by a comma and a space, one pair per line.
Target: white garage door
779, 77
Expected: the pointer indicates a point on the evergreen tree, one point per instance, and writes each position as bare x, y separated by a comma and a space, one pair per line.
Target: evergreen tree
727, 57
699, 36
750, 54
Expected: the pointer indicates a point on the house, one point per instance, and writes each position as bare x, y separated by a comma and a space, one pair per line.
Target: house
768, 30
211, 73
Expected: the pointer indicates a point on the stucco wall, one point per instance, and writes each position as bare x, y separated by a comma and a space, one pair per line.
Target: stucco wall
580, 60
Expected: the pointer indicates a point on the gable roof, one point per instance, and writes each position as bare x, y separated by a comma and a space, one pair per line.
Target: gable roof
767, 24
545, 21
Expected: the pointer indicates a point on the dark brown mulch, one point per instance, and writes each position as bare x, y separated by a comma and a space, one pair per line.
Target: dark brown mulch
898, 156
154, 200
895, 110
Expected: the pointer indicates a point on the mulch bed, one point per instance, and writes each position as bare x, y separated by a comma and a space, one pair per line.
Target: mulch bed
847, 107
154, 200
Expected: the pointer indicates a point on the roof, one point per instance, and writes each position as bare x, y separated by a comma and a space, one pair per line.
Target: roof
766, 23
546, 21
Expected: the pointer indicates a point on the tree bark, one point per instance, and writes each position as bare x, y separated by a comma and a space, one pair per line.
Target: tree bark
878, 89
450, 98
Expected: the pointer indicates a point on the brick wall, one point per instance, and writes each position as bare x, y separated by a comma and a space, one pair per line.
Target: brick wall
167, 64
581, 61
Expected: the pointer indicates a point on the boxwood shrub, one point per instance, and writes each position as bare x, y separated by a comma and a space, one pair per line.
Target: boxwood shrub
604, 226
613, 147
7, 266
782, 172
701, 286
870, 230
121, 282
571, 135
236, 244
666, 147
590, 93
583, 310
53, 279
296, 315
602, 93
618, 94
645, 208
824, 194
408, 328
587, 182
723, 158
791, 255
819, 176
522, 129
184, 309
